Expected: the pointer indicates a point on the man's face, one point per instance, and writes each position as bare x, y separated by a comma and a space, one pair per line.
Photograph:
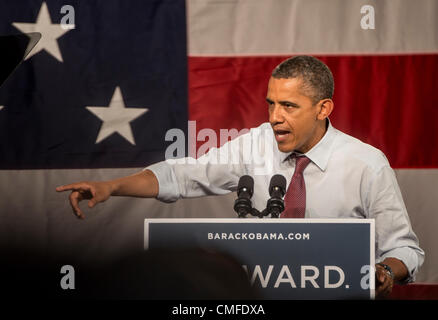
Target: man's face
292, 115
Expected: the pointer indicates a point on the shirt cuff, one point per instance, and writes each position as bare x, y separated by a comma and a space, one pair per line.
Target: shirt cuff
406, 256
168, 190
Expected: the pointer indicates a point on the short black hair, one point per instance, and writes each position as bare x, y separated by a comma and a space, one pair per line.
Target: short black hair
317, 78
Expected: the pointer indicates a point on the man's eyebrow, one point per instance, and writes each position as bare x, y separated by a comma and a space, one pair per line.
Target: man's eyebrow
285, 102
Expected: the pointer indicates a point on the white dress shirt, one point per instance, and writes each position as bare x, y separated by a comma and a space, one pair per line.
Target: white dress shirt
346, 178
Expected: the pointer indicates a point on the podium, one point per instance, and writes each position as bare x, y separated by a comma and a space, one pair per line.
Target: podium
284, 258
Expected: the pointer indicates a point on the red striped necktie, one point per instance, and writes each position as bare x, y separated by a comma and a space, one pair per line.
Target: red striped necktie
295, 199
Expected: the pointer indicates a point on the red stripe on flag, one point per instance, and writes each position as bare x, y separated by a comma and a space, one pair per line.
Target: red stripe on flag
387, 101
415, 291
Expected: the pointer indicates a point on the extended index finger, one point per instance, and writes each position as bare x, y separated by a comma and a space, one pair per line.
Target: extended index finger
72, 186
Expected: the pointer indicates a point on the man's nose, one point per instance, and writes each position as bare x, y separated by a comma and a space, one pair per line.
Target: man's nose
276, 114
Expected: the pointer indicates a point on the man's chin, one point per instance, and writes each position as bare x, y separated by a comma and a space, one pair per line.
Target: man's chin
286, 148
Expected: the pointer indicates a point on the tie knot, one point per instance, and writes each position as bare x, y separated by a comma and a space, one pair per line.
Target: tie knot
301, 163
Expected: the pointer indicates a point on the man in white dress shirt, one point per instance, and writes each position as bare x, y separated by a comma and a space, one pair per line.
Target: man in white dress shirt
345, 178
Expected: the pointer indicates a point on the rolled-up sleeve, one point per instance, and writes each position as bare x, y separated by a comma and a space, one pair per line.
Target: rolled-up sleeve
394, 234
168, 190
215, 173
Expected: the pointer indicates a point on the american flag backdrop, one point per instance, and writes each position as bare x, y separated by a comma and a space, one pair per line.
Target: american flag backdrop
95, 101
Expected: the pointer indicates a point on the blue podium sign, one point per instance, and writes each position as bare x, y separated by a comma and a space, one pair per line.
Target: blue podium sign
284, 258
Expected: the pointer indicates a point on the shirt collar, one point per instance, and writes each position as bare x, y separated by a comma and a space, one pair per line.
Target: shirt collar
320, 153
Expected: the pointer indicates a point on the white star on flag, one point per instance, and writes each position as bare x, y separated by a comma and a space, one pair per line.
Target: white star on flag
116, 118
50, 33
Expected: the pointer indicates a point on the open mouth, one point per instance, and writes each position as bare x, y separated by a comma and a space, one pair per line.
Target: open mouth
281, 135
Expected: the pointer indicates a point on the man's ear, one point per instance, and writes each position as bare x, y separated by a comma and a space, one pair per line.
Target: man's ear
326, 108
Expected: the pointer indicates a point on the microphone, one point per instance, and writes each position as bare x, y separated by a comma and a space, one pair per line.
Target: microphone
277, 190
245, 189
